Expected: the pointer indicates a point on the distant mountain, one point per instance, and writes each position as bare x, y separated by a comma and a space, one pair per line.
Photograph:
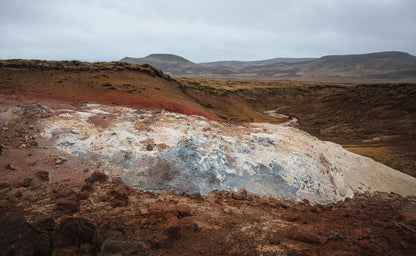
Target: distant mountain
383, 65
397, 66
162, 61
373, 61
178, 66
243, 64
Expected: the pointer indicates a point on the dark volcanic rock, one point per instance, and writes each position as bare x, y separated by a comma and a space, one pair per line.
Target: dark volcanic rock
17, 237
68, 203
240, 194
115, 247
173, 227
188, 225
120, 197
74, 231
160, 209
4, 185
183, 210
45, 224
117, 230
290, 217
110, 230
303, 235
87, 187
27, 182
43, 175
97, 176
334, 236
273, 238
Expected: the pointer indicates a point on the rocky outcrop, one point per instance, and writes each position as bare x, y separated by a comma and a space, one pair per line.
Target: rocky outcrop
17, 237
195, 155
74, 232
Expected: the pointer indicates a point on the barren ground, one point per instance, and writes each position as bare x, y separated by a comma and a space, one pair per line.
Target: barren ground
47, 190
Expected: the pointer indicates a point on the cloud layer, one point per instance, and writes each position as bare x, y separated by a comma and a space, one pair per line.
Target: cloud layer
107, 30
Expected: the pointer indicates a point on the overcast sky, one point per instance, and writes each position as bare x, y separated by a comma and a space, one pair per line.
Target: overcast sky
203, 30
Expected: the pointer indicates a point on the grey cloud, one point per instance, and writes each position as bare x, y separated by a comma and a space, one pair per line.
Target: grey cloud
204, 30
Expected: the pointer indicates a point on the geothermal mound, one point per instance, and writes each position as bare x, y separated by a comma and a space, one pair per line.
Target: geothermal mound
159, 150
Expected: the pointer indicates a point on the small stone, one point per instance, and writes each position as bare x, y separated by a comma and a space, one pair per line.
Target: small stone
43, 175
4, 185
289, 217
11, 167
23, 145
87, 187
87, 249
173, 227
228, 211
160, 209
84, 195
317, 209
150, 147
303, 235
183, 210
119, 247
240, 194
27, 182
196, 197
61, 160
45, 224
273, 239
306, 202
97, 176
68, 203
120, 197
188, 225
334, 236
116, 181
107, 84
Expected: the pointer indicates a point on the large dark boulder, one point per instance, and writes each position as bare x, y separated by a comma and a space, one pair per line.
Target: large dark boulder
74, 232
19, 238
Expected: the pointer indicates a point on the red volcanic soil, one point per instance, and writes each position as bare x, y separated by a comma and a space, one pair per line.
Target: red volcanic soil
219, 223
128, 88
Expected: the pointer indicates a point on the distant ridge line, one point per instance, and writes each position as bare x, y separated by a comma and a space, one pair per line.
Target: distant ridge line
379, 66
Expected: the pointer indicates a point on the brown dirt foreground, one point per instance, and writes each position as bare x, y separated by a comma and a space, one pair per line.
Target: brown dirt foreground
106, 218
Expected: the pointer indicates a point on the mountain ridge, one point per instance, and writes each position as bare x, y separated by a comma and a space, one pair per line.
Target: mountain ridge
390, 65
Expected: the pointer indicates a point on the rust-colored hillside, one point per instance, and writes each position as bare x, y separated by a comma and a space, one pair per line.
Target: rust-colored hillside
116, 83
